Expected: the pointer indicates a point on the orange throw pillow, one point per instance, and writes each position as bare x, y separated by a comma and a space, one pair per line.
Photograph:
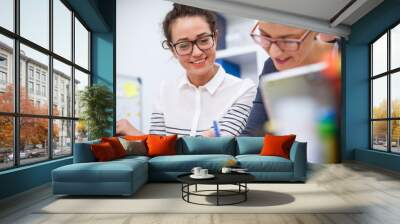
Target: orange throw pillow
136, 137
161, 145
277, 145
103, 152
116, 145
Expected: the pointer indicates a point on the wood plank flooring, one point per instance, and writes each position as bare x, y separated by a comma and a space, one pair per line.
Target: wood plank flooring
354, 182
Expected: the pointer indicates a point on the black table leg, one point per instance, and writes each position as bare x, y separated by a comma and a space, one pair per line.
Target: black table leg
245, 193
188, 189
217, 194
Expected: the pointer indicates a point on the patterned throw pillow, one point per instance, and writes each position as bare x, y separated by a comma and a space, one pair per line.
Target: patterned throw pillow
134, 147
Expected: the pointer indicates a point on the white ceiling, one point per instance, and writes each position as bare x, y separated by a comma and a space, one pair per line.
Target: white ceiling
318, 15
324, 9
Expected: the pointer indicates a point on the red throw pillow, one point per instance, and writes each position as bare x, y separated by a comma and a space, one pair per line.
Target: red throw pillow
103, 152
161, 145
136, 137
116, 145
277, 145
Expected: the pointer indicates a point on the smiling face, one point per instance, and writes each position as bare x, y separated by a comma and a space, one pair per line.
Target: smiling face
200, 63
286, 59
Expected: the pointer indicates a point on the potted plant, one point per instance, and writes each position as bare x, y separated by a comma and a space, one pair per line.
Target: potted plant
97, 104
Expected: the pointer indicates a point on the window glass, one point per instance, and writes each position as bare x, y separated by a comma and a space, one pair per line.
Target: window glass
62, 29
34, 81
35, 21
81, 81
62, 94
395, 136
7, 14
6, 74
395, 95
395, 47
33, 139
81, 45
6, 142
81, 131
62, 141
379, 135
379, 56
39, 62
379, 98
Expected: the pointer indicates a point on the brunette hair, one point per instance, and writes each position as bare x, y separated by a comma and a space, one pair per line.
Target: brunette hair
180, 11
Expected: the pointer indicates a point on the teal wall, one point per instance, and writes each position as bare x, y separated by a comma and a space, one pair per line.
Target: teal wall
99, 16
24, 178
104, 52
356, 83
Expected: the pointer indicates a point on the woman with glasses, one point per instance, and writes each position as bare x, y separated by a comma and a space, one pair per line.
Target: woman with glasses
288, 47
203, 97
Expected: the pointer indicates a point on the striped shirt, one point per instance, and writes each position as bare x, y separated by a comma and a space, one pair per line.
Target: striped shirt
187, 110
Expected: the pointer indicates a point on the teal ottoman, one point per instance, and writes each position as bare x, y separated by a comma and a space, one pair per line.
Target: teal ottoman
118, 177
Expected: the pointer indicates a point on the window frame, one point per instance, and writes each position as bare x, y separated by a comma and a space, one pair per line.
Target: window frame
16, 115
388, 74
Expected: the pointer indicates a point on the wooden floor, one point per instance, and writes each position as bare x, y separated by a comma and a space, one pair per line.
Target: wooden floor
378, 188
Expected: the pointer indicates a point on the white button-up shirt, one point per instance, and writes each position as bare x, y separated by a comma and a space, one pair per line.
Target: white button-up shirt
185, 109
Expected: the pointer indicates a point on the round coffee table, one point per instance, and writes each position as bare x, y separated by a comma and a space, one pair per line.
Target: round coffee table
238, 179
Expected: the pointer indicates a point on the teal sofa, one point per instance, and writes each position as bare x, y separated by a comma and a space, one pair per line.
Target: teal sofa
125, 176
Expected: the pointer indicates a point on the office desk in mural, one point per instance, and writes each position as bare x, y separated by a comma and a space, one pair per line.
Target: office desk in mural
129, 99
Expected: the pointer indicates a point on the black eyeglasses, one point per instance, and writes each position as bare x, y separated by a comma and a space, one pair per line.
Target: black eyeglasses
186, 47
283, 44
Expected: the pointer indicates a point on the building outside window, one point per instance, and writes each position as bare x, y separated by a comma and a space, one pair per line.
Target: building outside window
37, 74
3, 71
30, 72
44, 77
385, 91
30, 87
43, 90
38, 89
3, 61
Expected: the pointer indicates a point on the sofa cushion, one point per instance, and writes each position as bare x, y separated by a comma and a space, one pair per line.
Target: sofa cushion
249, 145
185, 163
132, 158
112, 171
257, 163
83, 152
204, 145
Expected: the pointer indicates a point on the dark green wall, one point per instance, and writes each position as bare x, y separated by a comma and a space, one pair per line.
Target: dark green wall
356, 83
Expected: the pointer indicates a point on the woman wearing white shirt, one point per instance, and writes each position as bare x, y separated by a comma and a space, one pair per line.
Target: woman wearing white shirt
206, 93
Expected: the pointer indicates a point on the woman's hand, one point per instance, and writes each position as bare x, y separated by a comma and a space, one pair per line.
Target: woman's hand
209, 133
126, 128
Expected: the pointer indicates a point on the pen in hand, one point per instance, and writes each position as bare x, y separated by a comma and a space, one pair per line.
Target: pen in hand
217, 132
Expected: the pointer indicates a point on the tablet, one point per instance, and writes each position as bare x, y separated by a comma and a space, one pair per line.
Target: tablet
301, 101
